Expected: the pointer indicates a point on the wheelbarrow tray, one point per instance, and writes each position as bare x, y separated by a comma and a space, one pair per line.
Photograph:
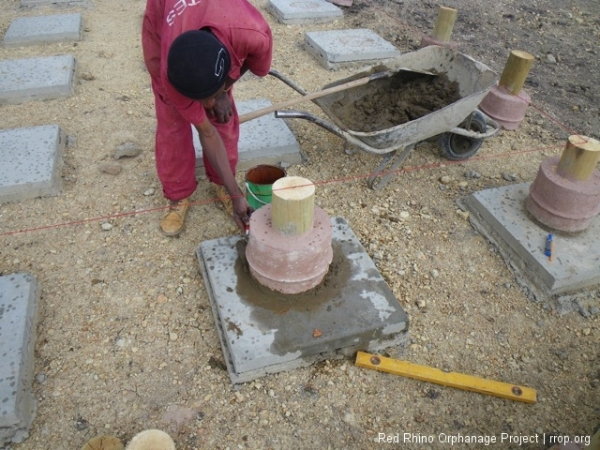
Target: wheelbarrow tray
474, 82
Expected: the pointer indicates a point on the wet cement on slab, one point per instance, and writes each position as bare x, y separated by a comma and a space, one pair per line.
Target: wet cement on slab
568, 281
263, 331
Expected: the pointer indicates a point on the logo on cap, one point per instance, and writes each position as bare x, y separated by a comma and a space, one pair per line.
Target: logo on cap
220, 63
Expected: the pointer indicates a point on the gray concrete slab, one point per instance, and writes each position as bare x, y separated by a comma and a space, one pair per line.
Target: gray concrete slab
335, 49
43, 78
43, 30
262, 332
30, 162
295, 12
265, 140
500, 214
19, 296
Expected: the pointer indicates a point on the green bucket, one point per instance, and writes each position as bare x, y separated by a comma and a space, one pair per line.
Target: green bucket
259, 184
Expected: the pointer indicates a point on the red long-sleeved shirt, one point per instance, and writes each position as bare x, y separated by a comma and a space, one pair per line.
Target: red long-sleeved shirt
236, 23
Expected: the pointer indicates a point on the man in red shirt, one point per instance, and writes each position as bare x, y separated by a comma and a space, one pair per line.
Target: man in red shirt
195, 50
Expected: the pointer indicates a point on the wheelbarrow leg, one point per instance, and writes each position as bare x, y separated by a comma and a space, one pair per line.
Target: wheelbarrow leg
380, 177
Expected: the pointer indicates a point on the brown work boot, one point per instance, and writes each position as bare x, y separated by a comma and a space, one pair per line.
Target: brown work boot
225, 198
174, 219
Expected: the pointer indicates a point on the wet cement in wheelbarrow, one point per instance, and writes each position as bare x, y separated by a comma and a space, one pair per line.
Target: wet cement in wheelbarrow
399, 99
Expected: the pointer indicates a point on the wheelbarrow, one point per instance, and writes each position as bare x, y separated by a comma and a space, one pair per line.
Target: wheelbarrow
459, 127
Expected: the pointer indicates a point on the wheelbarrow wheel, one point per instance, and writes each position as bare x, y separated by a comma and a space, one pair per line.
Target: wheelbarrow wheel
456, 147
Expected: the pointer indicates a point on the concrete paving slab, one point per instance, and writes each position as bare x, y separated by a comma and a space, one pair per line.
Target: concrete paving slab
19, 296
295, 12
30, 162
43, 30
265, 140
335, 49
43, 78
500, 214
264, 332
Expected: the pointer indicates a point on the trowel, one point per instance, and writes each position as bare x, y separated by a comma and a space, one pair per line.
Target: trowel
241, 245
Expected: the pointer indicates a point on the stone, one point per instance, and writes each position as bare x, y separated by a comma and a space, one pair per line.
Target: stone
110, 168
127, 150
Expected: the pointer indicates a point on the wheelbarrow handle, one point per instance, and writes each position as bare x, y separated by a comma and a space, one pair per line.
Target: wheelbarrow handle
492, 128
291, 83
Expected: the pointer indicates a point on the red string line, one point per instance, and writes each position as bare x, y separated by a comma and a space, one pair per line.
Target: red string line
336, 180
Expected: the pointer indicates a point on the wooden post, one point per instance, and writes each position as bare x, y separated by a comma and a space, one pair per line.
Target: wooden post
579, 158
516, 71
293, 205
444, 24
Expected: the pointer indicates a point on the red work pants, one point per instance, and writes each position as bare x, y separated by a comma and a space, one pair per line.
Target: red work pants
174, 147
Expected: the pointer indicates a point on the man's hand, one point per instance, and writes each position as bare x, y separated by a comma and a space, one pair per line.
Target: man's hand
222, 108
241, 212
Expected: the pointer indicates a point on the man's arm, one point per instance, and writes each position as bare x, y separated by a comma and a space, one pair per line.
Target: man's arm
213, 147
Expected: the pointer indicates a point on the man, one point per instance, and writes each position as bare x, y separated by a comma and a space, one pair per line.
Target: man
195, 50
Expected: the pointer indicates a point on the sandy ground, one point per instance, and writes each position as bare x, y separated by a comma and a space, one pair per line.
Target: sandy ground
126, 340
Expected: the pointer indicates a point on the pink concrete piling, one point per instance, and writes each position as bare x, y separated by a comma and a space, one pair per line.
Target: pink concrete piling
508, 102
565, 194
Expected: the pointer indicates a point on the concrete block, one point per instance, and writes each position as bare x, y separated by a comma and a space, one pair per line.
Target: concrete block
30, 162
294, 12
43, 78
264, 332
265, 140
335, 49
500, 214
43, 30
19, 296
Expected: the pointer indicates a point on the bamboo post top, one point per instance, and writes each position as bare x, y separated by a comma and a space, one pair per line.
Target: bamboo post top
444, 24
516, 70
579, 158
293, 205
